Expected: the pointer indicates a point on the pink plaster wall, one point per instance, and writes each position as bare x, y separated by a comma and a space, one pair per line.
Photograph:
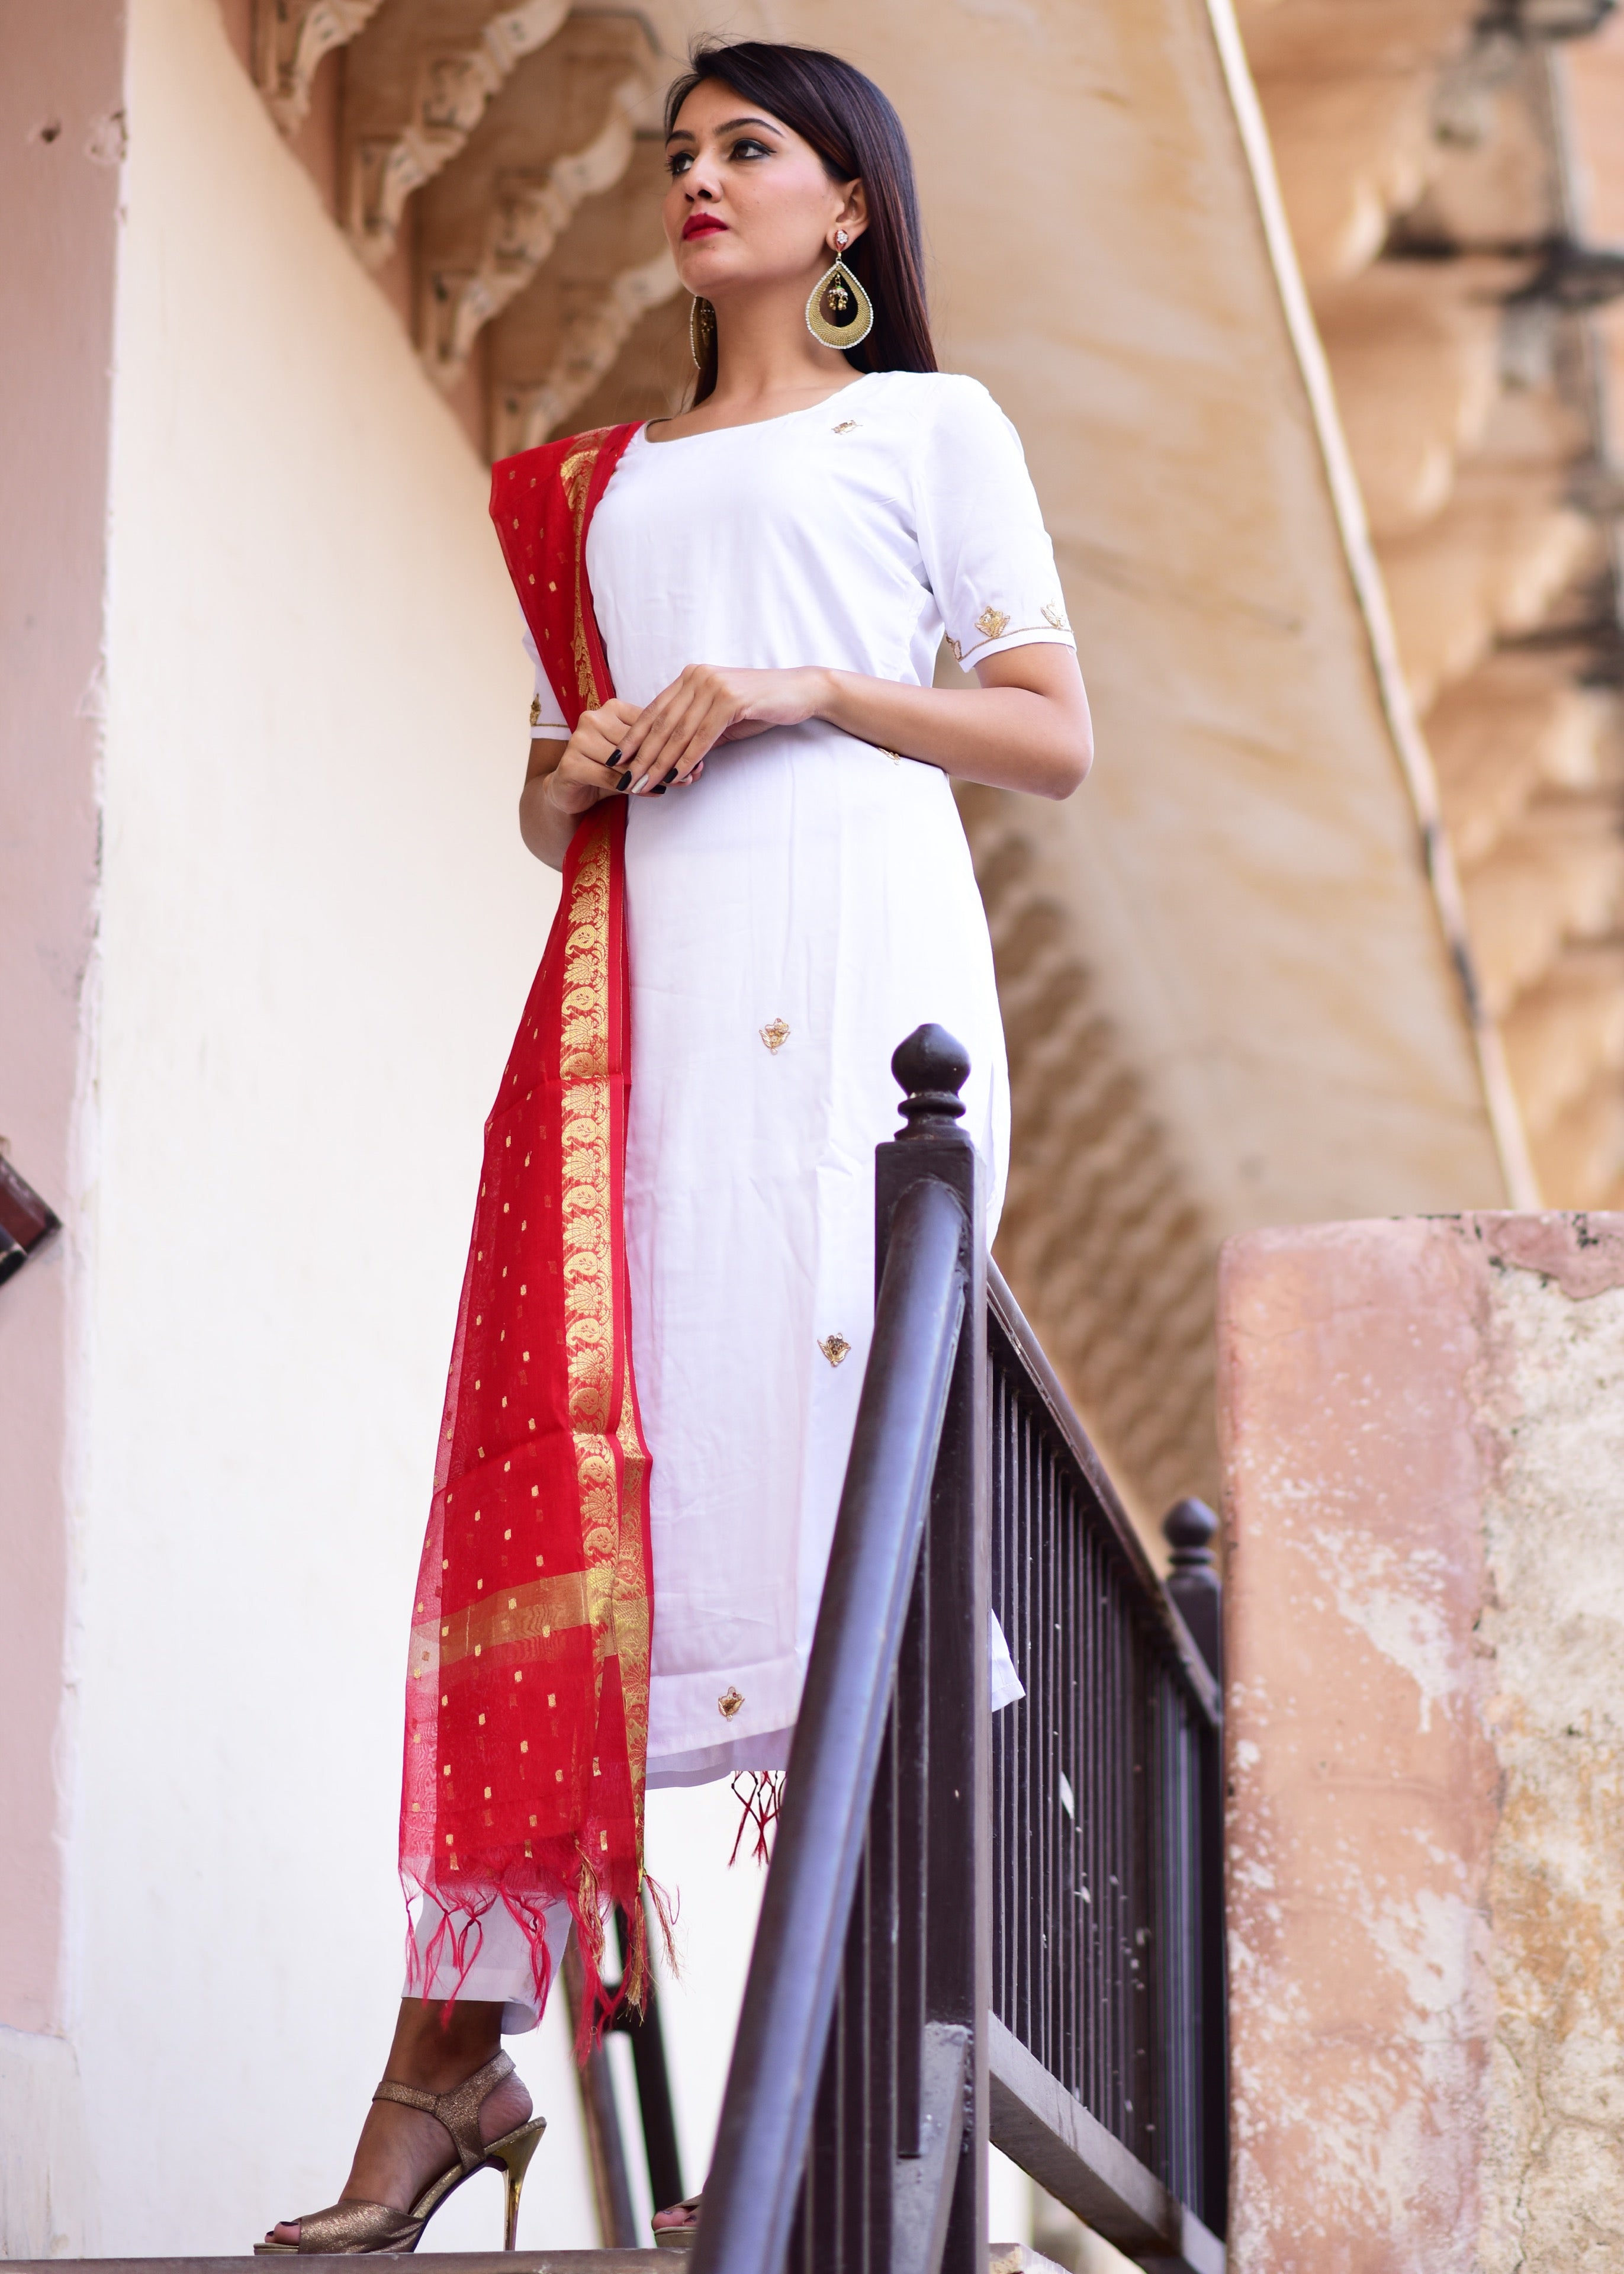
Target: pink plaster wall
1392, 1505
61, 141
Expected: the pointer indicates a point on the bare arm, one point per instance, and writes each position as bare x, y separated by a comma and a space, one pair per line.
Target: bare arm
1025, 726
564, 779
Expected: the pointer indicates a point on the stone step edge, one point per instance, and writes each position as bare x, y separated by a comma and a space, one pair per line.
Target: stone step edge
1003, 2258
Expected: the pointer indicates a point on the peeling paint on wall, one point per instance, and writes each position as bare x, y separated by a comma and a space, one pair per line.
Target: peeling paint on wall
1423, 1430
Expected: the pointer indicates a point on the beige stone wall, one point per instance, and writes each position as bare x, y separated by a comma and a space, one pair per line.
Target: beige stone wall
1424, 1448
1440, 165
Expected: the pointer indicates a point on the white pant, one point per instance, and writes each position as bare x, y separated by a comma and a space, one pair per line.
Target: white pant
502, 1969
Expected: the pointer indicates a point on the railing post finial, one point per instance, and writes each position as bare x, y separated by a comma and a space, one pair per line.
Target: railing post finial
931, 1067
1190, 1527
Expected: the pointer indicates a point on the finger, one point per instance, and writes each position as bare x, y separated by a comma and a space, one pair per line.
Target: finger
702, 738
601, 730
649, 754
649, 717
674, 714
577, 772
699, 719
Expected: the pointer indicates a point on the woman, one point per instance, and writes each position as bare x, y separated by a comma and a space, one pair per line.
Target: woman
763, 582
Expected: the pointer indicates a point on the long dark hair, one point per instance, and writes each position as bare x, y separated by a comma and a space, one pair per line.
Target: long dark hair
858, 135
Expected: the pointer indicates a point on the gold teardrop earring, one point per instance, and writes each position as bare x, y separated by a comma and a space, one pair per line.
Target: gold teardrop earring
840, 311
701, 332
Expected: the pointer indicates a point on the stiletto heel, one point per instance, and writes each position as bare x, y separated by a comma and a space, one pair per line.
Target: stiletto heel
513, 2154
357, 2229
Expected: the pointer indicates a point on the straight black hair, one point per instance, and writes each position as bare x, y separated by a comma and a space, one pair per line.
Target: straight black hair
857, 134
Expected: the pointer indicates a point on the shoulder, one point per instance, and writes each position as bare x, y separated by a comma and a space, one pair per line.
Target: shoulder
946, 405
532, 468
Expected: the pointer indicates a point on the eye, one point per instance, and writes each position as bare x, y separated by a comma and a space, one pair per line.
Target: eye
679, 163
749, 146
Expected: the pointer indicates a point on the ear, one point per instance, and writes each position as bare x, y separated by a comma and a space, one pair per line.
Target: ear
854, 215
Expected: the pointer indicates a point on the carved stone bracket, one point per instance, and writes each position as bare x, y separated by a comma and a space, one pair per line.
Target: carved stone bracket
290, 37
395, 144
592, 338
560, 133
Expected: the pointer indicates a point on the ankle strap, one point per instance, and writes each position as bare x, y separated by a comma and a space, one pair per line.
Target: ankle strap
457, 2110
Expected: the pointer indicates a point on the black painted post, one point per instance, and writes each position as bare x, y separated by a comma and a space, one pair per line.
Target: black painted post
921, 1357
1197, 1589
1189, 1528
956, 1919
653, 2076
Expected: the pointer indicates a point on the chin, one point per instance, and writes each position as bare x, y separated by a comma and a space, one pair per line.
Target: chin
700, 275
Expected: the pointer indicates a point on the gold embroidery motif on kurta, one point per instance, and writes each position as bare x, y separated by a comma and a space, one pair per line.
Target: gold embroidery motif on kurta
1055, 614
846, 426
535, 709
991, 621
835, 1347
775, 1035
728, 1704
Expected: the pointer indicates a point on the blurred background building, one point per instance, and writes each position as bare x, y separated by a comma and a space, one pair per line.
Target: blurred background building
1306, 316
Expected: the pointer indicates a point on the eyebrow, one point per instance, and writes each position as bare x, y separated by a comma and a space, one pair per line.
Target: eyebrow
681, 134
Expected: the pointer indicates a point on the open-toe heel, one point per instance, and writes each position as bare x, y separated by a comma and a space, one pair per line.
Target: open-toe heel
358, 2229
679, 2238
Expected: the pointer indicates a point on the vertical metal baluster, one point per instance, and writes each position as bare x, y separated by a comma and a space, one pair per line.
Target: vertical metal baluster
1120, 1861
1000, 1726
1024, 1746
1030, 1865
1088, 1804
882, 1955
912, 1738
1073, 1768
1004, 1588
854, 2072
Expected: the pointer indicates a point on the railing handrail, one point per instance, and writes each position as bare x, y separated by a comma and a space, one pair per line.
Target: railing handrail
1045, 1384
794, 1967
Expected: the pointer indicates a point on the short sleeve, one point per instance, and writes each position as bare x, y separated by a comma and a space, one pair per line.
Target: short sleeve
546, 720
986, 553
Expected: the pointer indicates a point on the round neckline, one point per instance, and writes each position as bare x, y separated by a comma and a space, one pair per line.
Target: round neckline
749, 425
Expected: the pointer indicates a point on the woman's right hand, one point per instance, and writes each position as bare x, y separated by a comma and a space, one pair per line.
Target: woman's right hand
563, 781
587, 771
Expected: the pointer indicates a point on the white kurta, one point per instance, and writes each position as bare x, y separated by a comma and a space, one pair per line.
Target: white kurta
791, 917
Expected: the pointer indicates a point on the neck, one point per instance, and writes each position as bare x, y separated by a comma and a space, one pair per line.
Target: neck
764, 350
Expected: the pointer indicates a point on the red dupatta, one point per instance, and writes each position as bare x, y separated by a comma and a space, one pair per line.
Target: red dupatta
527, 1699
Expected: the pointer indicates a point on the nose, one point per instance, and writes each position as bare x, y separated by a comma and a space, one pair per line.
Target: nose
697, 183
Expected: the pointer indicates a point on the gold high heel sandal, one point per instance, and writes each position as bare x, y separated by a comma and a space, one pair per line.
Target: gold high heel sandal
679, 2238
352, 2228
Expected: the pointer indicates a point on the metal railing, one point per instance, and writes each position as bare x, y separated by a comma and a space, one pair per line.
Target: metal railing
972, 1928
1106, 2023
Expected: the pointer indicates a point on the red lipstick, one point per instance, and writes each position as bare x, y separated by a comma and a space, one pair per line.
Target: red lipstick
701, 224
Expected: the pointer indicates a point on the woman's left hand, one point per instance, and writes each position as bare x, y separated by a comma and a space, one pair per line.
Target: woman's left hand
710, 704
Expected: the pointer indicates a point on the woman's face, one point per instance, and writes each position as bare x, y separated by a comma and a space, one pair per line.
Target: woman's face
750, 202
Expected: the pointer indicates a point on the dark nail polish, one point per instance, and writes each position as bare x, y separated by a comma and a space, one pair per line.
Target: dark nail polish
621, 780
